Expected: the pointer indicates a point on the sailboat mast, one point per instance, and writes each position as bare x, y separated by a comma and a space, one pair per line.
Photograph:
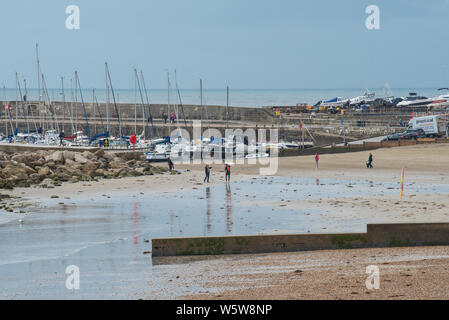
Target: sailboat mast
227, 105
23, 104
94, 111
201, 108
82, 101
53, 113
135, 102
168, 105
8, 113
6, 116
29, 109
99, 114
17, 109
39, 85
180, 101
107, 97
25, 88
177, 101
71, 106
77, 124
63, 104
143, 105
115, 103
148, 101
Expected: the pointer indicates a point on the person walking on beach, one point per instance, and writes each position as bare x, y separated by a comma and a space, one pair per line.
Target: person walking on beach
170, 165
61, 138
369, 164
207, 172
228, 173
317, 158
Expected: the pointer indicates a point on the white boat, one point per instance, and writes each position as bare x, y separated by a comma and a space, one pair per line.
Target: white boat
335, 102
367, 97
288, 145
156, 156
413, 100
442, 101
257, 155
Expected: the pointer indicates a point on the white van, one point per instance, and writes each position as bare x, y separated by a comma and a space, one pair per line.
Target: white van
433, 126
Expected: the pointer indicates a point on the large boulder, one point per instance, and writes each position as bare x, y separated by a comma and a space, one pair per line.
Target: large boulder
47, 182
99, 153
34, 177
21, 176
90, 165
21, 158
70, 164
80, 158
38, 163
69, 155
56, 157
99, 173
123, 172
117, 163
44, 172
10, 171
108, 156
28, 170
89, 155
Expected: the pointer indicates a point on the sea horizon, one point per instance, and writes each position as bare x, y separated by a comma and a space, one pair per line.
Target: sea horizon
257, 97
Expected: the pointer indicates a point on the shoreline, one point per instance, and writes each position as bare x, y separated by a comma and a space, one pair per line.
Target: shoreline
341, 167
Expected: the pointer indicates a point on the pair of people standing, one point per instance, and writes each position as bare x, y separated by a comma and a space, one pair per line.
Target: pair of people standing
227, 170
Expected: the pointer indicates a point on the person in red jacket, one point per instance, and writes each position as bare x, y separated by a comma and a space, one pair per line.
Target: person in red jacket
228, 172
317, 158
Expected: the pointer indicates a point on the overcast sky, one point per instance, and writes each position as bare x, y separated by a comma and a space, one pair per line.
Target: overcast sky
241, 43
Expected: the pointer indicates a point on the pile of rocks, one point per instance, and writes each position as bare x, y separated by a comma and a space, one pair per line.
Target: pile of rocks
54, 167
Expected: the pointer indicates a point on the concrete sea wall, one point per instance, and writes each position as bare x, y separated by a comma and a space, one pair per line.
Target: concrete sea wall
377, 235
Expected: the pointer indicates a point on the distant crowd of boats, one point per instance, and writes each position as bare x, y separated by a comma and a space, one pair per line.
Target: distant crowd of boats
368, 99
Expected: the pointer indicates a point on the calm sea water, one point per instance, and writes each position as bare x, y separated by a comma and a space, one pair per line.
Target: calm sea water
237, 97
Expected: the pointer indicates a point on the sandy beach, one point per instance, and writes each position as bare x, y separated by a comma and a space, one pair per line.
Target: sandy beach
404, 273
346, 193
423, 163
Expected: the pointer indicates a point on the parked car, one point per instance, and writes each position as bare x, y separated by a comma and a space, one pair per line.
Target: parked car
414, 134
406, 135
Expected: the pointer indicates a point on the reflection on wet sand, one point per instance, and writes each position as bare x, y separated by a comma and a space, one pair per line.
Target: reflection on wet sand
172, 221
228, 208
208, 211
135, 220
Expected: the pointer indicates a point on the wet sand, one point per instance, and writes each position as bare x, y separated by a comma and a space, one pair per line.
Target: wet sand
269, 276
425, 163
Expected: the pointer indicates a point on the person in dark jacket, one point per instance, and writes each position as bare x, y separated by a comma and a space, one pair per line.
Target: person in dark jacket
61, 138
207, 172
369, 164
170, 165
